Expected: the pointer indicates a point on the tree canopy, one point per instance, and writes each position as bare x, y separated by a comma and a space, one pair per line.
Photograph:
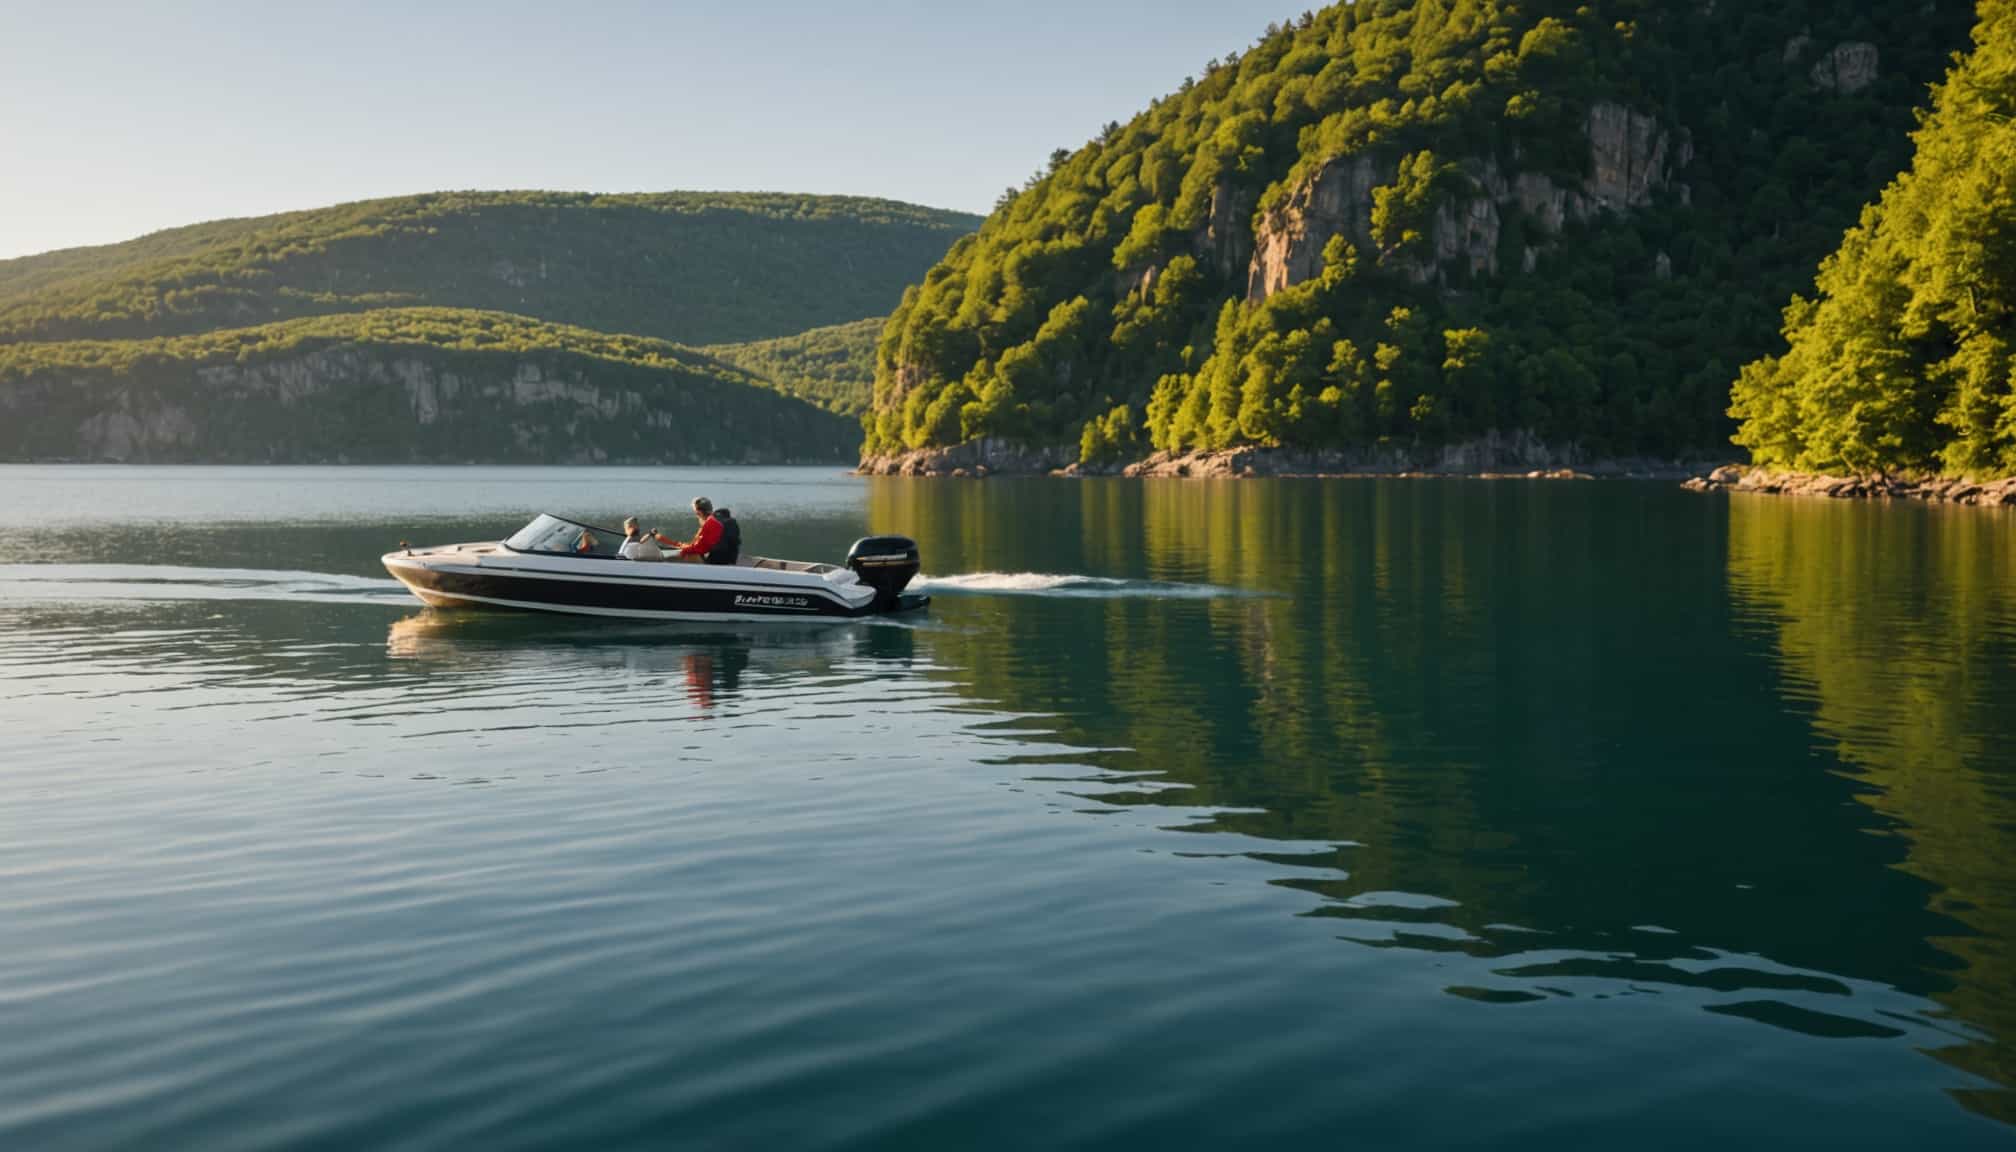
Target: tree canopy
832, 367
1904, 360
1125, 273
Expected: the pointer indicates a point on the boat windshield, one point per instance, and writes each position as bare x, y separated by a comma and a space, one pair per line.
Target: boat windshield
551, 534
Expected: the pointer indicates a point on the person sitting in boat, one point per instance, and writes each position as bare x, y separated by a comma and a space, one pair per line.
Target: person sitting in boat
695, 551
637, 543
728, 549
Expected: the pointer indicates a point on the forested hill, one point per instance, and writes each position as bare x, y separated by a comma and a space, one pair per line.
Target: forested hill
832, 367
1400, 225
493, 327
686, 266
1905, 360
418, 385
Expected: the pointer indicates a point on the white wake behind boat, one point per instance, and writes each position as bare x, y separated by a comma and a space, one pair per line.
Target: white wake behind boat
558, 565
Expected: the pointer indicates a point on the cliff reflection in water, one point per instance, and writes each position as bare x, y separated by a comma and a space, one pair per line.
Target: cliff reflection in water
1468, 707
1897, 629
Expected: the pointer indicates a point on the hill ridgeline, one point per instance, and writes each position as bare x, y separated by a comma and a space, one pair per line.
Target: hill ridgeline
465, 327
696, 267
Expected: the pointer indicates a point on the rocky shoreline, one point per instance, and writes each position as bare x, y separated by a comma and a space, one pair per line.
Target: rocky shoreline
1511, 458
1508, 457
973, 458
1258, 462
1934, 489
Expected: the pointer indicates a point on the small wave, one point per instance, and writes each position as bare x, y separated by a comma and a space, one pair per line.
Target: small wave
1062, 584
71, 582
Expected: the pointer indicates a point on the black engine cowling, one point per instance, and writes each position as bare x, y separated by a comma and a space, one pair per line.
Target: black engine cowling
886, 564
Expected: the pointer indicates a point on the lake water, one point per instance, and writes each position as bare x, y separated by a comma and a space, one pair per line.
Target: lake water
1409, 814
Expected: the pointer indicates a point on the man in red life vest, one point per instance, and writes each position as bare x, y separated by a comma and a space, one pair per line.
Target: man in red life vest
695, 551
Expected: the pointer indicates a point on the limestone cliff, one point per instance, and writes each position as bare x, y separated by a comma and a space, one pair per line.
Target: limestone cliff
350, 402
1849, 68
1226, 242
1631, 159
1337, 200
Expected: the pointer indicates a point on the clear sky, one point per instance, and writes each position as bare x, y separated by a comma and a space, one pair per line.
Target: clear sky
119, 119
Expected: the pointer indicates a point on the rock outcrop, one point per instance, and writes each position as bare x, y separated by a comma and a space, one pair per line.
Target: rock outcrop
1226, 243
1632, 157
1848, 68
1937, 489
983, 457
1337, 200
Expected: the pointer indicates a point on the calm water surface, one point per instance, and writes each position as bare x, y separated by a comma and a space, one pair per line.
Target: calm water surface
1352, 814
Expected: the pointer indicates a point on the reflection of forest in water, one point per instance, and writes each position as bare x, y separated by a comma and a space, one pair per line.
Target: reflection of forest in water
1896, 627
1577, 709
1769, 728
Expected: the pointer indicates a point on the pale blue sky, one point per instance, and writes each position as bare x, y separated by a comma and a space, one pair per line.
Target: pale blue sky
119, 119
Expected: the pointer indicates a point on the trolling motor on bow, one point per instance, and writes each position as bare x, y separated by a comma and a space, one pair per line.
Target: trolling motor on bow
886, 564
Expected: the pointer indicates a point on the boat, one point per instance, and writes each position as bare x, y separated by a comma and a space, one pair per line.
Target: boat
555, 564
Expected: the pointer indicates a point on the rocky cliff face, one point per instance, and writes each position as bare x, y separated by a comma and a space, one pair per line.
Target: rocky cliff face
1632, 157
1226, 243
1848, 69
361, 403
1337, 200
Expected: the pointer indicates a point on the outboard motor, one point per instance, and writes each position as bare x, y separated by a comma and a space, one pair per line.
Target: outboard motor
886, 564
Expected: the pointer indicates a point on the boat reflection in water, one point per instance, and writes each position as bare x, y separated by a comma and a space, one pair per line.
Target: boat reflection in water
473, 641
710, 660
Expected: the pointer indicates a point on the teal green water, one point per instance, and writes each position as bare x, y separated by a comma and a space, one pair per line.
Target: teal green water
1410, 814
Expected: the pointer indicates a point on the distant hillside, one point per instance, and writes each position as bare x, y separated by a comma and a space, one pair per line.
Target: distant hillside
1399, 228
401, 385
688, 266
1905, 359
831, 367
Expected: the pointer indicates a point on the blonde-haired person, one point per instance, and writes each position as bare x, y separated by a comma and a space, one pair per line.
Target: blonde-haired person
637, 543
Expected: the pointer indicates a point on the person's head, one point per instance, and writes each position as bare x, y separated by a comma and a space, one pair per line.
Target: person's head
630, 526
723, 515
702, 507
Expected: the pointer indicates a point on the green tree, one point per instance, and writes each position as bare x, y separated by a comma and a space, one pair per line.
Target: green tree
1404, 135
1902, 361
